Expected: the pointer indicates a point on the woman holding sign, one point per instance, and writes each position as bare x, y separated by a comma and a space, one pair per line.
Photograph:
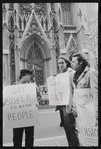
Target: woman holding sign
29, 131
67, 118
85, 82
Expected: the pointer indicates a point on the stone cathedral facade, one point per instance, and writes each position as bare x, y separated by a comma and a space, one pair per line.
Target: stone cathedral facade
34, 41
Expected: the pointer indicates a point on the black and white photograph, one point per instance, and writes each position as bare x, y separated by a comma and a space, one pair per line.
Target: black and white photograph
50, 74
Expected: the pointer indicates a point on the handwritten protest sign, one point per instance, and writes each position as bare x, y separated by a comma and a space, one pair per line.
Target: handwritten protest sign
20, 106
88, 132
58, 89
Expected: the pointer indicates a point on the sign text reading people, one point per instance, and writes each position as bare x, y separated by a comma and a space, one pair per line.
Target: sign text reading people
20, 106
58, 89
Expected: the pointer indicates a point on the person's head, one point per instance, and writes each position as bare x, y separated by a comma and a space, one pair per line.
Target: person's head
78, 61
25, 75
63, 63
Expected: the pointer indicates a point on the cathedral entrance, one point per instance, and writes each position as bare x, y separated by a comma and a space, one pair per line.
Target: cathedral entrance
35, 62
35, 56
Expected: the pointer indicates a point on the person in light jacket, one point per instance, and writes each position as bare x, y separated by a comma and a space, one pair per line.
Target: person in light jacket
84, 77
67, 117
24, 78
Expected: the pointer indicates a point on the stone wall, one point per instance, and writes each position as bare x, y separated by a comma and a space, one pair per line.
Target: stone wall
94, 41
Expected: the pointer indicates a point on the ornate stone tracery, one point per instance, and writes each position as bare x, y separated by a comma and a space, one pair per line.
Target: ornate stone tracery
27, 7
34, 52
25, 10
65, 6
66, 14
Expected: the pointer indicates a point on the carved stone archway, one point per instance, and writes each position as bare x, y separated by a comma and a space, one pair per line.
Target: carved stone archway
35, 54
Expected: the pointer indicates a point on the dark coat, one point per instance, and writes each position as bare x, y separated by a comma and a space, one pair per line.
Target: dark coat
59, 107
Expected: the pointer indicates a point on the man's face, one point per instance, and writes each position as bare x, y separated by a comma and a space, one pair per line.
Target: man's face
62, 64
75, 64
26, 78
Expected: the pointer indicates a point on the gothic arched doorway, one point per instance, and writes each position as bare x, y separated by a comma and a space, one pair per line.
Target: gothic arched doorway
35, 62
35, 55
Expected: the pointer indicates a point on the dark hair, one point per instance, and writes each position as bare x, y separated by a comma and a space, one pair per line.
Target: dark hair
68, 63
70, 53
81, 58
23, 72
21, 75
65, 59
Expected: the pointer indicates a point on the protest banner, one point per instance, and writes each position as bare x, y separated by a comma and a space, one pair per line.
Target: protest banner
19, 108
58, 89
88, 132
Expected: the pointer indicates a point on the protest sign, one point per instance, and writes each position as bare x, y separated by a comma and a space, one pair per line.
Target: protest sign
58, 89
88, 132
19, 108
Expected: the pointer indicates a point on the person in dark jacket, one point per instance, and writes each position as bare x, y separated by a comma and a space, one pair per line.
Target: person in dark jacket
67, 117
29, 131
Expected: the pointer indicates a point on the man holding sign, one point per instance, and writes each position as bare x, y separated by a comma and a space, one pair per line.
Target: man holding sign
20, 109
60, 93
85, 82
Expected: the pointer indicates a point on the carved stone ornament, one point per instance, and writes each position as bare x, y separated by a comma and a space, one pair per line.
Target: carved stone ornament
69, 27
32, 29
65, 6
11, 35
28, 6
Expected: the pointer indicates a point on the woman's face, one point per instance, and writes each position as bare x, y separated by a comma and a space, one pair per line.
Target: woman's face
62, 64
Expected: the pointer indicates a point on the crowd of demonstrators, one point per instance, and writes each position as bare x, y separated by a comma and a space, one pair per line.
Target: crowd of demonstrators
80, 76
66, 116
29, 131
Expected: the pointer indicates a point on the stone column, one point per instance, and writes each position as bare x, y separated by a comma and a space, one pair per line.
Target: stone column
25, 64
5, 69
45, 72
22, 64
17, 62
61, 39
54, 60
47, 65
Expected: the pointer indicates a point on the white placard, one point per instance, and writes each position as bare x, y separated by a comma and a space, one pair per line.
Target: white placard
19, 108
88, 132
58, 89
